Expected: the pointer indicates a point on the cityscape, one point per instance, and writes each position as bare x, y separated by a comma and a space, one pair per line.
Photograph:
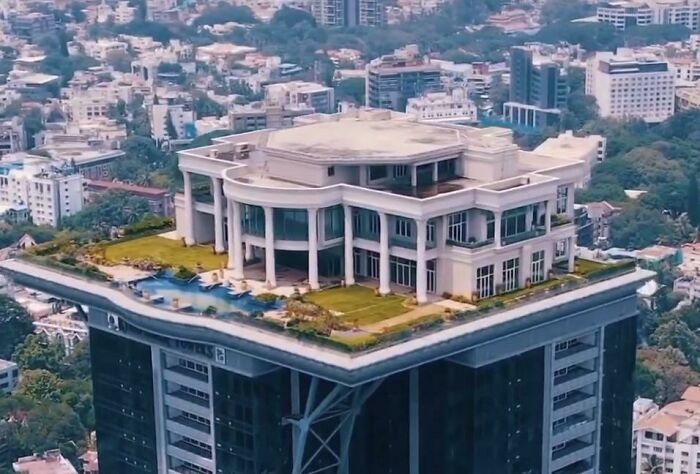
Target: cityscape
349, 237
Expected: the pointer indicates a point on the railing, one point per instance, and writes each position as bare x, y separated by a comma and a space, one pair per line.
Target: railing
185, 421
188, 372
188, 397
528, 234
470, 245
363, 234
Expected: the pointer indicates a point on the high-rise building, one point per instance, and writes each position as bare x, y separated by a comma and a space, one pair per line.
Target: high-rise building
374, 198
628, 84
348, 12
392, 79
538, 89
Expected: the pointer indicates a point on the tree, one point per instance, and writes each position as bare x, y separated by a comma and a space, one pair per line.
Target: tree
51, 425
676, 333
564, 10
638, 227
653, 465
113, 208
225, 13
170, 127
15, 325
39, 385
666, 374
37, 352
77, 12
205, 106
693, 206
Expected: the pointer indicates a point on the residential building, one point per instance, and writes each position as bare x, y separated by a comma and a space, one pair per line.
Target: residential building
348, 12
102, 49
90, 462
601, 213
687, 98
82, 151
124, 13
62, 328
538, 89
9, 376
589, 149
156, 8
691, 259
688, 286
261, 115
667, 438
169, 119
301, 93
628, 13
49, 462
449, 107
31, 26
13, 137
394, 78
629, 85
160, 201
512, 20
543, 386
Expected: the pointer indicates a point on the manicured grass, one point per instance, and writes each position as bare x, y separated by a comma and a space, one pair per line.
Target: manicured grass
507, 298
165, 251
583, 266
359, 303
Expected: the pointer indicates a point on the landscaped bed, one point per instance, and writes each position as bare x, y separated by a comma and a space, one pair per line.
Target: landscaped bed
166, 252
359, 304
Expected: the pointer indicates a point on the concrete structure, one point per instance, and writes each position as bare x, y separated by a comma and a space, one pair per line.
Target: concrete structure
687, 98
13, 137
667, 438
348, 12
124, 13
631, 85
51, 462
169, 118
394, 78
589, 149
627, 13
102, 49
261, 115
452, 107
538, 89
302, 94
49, 193
32, 25
9, 376
541, 387
157, 8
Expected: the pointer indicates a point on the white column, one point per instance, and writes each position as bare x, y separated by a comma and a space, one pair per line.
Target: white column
435, 172
313, 249
270, 277
348, 244
414, 175
384, 266
548, 207
525, 265
571, 244
218, 215
421, 264
236, 237
497, 228
248, 252
570, 201
189, 209
231, 240
364, 175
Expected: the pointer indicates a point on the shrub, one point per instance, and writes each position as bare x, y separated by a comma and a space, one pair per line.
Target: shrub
211, 310
184, 273
148, 223
266, 298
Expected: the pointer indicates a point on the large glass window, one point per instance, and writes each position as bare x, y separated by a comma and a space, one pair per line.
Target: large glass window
377, 172
253, 220
511, 273
484, 281
513, 222
403, 272
373, 265
490, 225
403, 227
291, 224
365, 224
457, 229
562, 199
537, 272
334, 222
447, 169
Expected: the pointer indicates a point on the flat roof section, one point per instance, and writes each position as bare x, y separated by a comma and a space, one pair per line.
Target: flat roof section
353, 139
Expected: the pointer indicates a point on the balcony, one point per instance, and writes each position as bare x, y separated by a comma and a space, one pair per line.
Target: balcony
471, 244
574, 379
575, 402
581, 467
574, 355
190, 423
560, 219
179, 369
188, 397
528, 234
577, 426
191, 448
574, 452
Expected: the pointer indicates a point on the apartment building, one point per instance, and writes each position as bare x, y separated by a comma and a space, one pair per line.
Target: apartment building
628, 84
348, 12
13, 137
47, 191
627, 13
102, 48
172, 119
540, 387
688, 98
9, 376
589, 149
49, 462
301, 93
31, 26
261, 115
451, 107
394, 78
155, 8
666, 439
538, 89
124, 13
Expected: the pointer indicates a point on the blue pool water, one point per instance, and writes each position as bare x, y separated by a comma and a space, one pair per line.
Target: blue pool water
191, 294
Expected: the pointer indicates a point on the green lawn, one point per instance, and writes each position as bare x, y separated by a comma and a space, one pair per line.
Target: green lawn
166, 251
583, 266
359, 303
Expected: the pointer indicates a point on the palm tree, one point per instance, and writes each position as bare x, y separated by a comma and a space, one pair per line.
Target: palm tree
653, 465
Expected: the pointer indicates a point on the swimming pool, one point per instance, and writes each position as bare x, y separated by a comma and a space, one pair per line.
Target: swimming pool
190, 294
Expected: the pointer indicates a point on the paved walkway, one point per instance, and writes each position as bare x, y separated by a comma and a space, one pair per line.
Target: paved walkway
418, 313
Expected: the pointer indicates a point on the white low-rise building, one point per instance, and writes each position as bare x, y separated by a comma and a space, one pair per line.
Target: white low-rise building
9, 376
631, 85
668, 439
452, 107
589, 149
302, 93
180, 116
374, 195
47, 192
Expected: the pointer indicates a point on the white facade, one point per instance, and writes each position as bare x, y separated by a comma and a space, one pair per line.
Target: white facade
124, 13
630, 85
180, 116
49, 194
453, 107
102, 49
626, 13
9, 376
153, 7
301, 93
435, 208
667, 440
589, 149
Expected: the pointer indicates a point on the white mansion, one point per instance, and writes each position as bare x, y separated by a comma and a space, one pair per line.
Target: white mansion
371, 194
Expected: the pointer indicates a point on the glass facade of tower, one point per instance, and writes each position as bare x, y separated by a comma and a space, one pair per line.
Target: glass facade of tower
122, 378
